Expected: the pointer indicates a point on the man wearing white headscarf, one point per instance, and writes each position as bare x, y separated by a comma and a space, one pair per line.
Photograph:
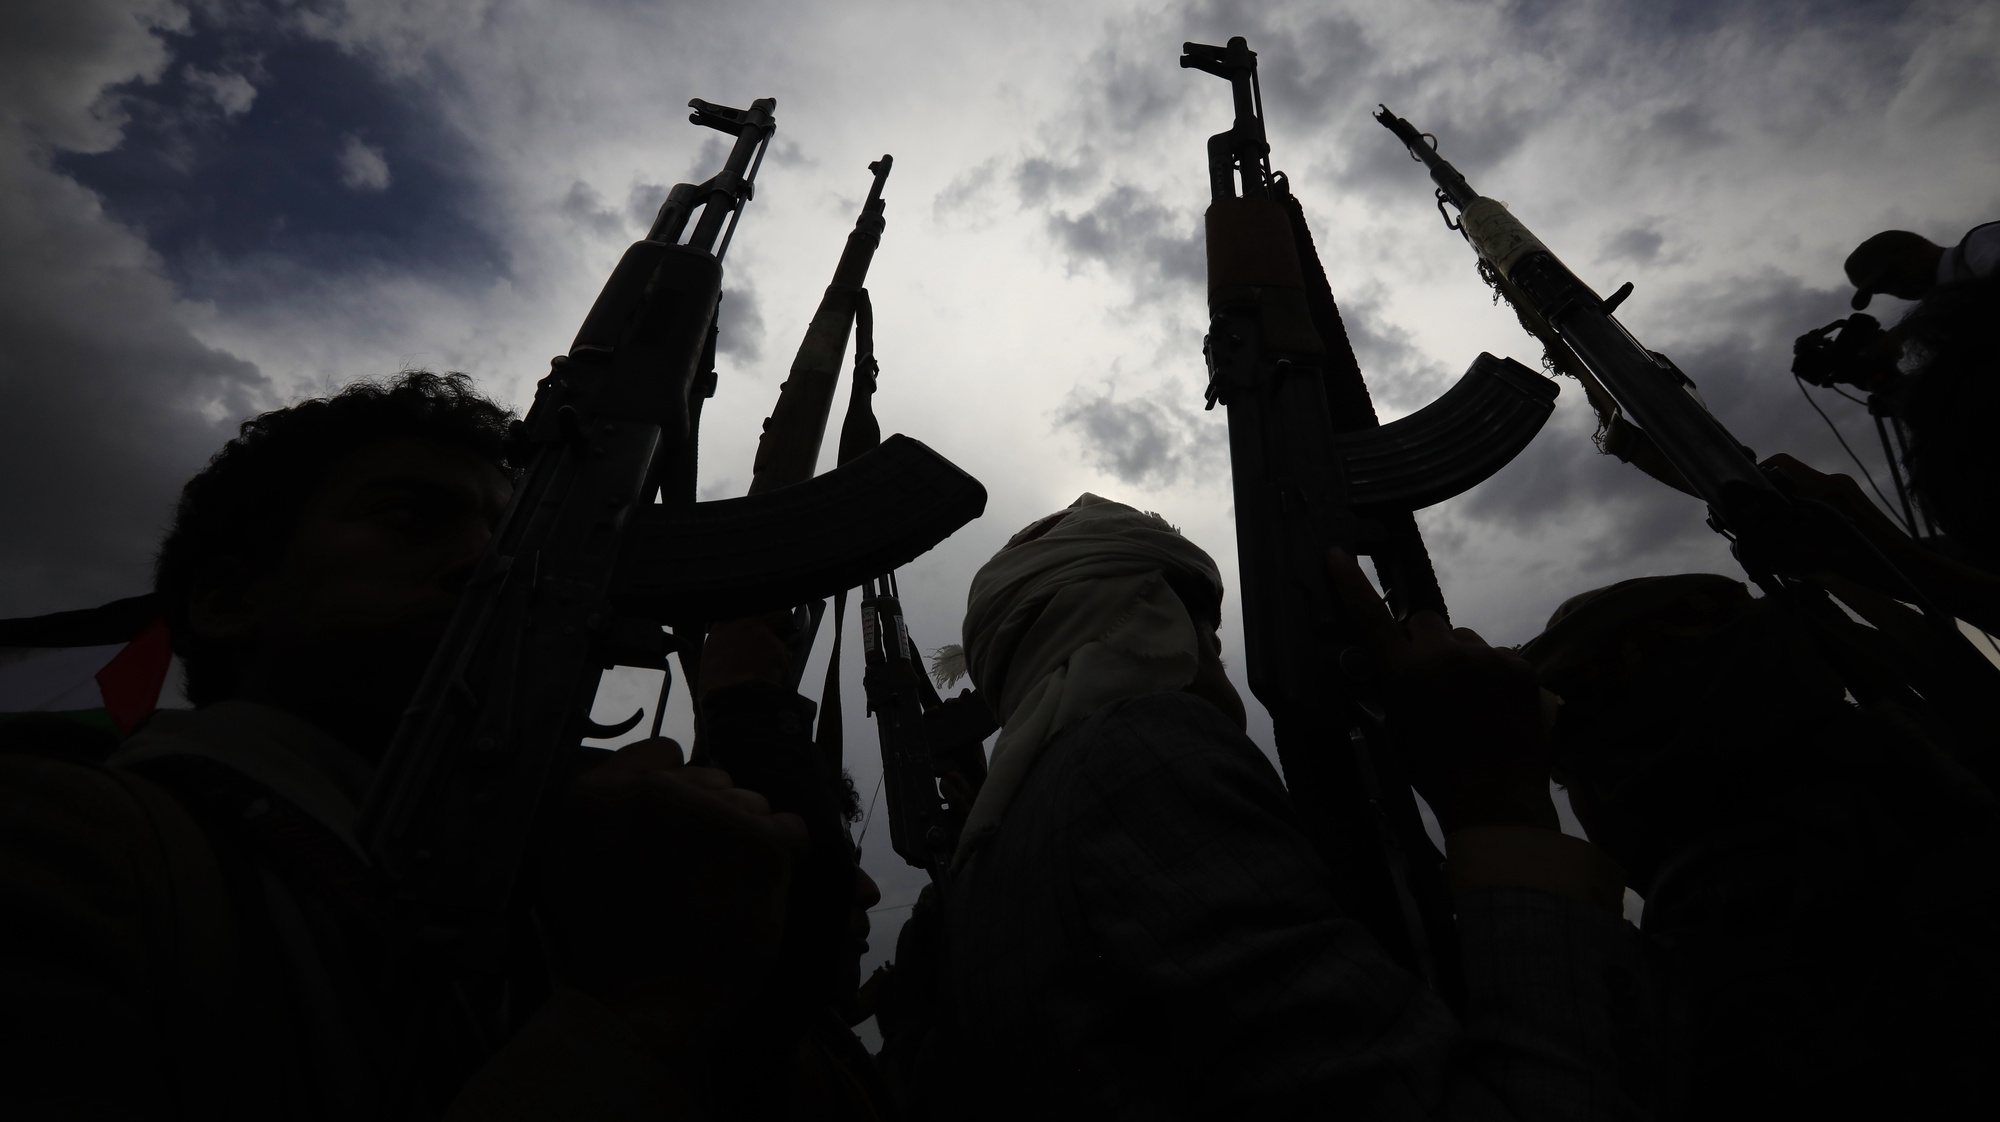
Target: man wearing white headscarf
1137, 927
1079, 610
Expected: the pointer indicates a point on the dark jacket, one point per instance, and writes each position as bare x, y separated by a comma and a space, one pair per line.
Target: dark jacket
1150, 935
191, 932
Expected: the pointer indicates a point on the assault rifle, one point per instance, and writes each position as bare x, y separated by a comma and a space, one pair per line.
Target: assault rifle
1700, 456
923, 736
1312, 469
1780, 541
586, 571
789, 445
1670, 434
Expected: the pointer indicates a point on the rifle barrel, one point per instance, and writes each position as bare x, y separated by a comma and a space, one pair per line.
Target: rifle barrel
788, 449
1656, 395
1423, 147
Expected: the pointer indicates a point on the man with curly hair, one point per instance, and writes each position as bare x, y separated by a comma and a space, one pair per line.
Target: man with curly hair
336, 521
198, 906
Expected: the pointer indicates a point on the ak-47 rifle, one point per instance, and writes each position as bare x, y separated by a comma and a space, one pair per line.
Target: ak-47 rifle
789, 445
1311, 469
1779, 540
924, 737
1677, 438
586, 570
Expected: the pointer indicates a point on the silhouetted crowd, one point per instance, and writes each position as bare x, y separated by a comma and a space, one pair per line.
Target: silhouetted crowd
1135, 923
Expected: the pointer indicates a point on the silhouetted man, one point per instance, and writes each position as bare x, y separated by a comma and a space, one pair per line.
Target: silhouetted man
1816, 872
192, 930
1138, 927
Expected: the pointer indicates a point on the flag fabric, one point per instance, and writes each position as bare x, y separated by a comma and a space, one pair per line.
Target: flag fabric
103, 666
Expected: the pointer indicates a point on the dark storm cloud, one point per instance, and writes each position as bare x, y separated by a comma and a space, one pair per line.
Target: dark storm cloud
1319, 76
110, 400
642, 205
1610, 56
1130, 232
315, 158
56, 58
741, 320
643, 201
1734, 340
1400, 376
1638, 244
1622, 516
708, 159
970, 195
1685, 130
783, 151
584, 206
1136, 96
1476, 135
1038, 177
1130, 93
1148, 441
106, 415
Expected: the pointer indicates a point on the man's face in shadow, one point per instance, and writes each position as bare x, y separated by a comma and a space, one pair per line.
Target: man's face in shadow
341, 625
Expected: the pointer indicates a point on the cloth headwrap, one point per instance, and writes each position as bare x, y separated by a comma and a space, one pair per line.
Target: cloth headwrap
1074, 613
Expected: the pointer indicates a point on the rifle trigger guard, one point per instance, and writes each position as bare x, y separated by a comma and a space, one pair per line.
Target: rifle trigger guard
594, 731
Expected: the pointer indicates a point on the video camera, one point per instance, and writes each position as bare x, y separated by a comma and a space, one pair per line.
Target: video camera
1855, 350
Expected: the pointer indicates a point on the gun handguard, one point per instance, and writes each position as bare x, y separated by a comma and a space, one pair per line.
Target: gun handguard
788, 449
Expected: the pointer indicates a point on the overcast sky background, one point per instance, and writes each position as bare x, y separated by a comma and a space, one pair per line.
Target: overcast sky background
208, 209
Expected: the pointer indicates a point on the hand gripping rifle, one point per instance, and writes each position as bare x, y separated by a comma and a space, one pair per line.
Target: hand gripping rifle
1312, 469
586, 569
1671, 435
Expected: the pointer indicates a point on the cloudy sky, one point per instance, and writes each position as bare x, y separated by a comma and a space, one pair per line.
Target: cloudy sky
213, 207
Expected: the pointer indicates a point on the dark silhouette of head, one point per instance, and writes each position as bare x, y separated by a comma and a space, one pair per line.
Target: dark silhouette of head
1683, 703
328, 538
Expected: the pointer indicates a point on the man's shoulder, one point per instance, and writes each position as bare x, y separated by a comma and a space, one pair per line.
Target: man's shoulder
1156, 762
92, 854
1145, 737
59, 785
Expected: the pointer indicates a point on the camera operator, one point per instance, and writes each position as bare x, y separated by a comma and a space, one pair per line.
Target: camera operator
1933, 376
1911, 266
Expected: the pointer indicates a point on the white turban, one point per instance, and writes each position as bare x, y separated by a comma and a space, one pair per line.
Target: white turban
1061, 623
